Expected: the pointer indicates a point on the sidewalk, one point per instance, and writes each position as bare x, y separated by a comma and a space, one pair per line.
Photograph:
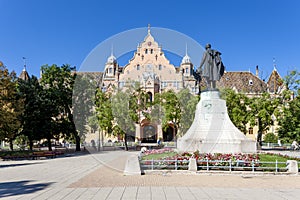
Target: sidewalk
100, 176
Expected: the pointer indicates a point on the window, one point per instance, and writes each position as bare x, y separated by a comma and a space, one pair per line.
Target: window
121, 84
149, 99
146, 51
186, 70
250, 82
138, 67
110, 71
151, 51
159, 67
149, 67
250, 131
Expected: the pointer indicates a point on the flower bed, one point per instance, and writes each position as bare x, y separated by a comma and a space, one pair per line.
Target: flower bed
169, 156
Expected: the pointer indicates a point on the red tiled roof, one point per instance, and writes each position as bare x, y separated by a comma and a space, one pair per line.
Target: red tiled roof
245, 82
275, 82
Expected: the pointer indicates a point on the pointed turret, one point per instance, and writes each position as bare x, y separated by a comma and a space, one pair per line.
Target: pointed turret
24, 74
186, 64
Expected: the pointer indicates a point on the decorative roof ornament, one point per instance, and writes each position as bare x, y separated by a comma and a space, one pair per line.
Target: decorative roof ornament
24, 74
186, 58
149, 29
112, 58
24, 60
274, 64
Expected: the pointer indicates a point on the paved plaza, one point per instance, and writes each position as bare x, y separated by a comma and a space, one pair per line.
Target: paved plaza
101, 176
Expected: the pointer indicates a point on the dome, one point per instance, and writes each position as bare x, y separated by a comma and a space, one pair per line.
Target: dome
111, 59
186, 59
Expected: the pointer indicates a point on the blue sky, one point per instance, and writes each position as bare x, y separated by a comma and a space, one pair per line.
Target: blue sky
248, 33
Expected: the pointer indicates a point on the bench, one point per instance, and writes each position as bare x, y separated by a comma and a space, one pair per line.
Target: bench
39, 154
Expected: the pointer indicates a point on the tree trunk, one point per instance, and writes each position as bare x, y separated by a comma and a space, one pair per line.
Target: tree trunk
75, 132
11, 145
30, 145
77, 138
259, 134
125, 140
49, 144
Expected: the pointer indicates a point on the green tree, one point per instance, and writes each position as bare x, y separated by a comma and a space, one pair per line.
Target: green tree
188, 103
33, 117
58, 85
292, 81
104, 111
261, 111
270, 138
289, 119
124, 115
288, 112
237, 106
82, 103
11, 106
171, 110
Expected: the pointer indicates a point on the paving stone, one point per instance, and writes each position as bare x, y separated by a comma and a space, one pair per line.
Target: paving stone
116, 193
102, 193
100, 176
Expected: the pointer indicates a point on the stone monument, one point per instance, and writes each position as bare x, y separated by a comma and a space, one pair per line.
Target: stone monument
212, 130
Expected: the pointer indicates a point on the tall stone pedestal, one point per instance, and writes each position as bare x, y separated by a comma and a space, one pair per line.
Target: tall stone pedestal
212, 130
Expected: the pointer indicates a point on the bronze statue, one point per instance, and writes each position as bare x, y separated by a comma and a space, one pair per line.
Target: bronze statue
213, 68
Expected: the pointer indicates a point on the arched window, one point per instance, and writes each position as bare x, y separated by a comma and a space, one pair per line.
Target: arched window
138, 67
149, 134
146, 51
149, 99
151, 51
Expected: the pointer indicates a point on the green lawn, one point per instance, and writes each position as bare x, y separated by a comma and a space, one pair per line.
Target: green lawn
273, 158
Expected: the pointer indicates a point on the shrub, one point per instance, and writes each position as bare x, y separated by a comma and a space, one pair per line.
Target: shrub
271, 138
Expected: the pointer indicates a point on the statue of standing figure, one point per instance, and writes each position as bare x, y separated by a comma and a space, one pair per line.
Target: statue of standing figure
213, 68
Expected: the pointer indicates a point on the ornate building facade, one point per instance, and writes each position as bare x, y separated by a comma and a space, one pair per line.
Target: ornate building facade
154, 72
151, 68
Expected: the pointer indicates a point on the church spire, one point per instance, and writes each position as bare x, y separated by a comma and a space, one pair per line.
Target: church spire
149, 29
24, 74
24, 61
112, 58
274, 64
186, 51
186, 58
112, 50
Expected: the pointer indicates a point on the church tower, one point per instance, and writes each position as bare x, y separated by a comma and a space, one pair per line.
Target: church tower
186, 65
24, 74
110, 76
